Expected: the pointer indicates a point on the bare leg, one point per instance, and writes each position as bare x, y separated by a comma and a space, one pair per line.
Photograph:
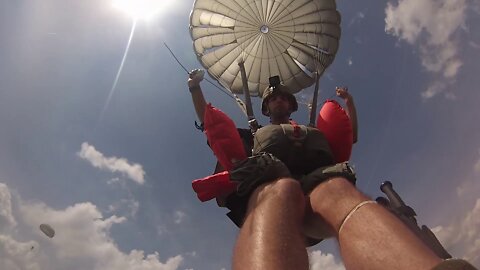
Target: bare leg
372, 238
271, 236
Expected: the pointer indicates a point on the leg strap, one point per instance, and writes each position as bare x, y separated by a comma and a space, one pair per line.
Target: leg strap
320, 175
256, 170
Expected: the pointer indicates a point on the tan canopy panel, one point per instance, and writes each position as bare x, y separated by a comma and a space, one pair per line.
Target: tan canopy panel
289, 38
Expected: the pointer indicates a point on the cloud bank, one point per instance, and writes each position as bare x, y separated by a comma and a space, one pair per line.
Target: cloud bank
133, 171
462, 237
82, 240
6, 217
433, 27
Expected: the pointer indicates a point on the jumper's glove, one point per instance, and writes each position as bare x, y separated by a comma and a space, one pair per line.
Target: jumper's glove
256, 170
320, 175
195, 77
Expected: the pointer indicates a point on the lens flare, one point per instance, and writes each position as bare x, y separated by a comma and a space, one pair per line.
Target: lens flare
114, 86
141, 9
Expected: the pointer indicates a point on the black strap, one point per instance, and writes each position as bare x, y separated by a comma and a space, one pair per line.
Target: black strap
199, 127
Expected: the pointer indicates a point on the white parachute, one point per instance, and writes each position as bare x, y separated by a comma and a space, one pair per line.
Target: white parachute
291, 38
47, 230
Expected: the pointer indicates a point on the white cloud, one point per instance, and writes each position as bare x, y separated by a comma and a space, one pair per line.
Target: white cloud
18, 255
462, 237
162, 229
320, 261
114, 180
358, 17
432, 25
439, 19
128, 206
470, 187
349, 61
434, 89
6, 218
113, 164
476, 6
467, 187
474, 45
358, 40
476, 167
192, 254
179, 216
82, 241
442, 60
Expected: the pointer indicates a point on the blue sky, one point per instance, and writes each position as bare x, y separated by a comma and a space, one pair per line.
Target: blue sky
116, 186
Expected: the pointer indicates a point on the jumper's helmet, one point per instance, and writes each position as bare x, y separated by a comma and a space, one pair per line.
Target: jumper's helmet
276, 88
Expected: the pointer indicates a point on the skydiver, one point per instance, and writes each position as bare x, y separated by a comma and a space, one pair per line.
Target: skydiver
279, 215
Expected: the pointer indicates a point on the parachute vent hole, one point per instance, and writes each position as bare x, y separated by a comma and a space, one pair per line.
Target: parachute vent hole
264, 29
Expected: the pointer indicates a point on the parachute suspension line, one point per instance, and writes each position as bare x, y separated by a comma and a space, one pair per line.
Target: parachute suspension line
313, 106
232, 96
239, 101
176, 59
252, 122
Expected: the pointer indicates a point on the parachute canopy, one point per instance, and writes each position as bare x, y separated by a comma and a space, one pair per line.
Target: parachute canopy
47, 230
289, 38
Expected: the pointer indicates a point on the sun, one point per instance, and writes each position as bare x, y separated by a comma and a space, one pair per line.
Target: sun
141, 9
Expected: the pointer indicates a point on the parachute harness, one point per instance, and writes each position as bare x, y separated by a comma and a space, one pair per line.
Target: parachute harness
296, 133
318, 176
296, 130
256, 170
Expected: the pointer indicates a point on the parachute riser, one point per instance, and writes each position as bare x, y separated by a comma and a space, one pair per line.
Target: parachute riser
313, 107
252, 122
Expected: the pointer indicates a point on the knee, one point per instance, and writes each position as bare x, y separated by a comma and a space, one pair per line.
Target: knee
334, 192
285, 190
337, 186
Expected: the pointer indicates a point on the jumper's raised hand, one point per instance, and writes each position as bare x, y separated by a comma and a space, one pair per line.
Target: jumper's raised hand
342, 92
195, 77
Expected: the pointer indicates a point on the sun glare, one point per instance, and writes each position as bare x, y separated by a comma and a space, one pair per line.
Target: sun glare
141, 9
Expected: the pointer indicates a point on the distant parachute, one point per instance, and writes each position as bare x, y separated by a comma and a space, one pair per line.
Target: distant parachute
47, 230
